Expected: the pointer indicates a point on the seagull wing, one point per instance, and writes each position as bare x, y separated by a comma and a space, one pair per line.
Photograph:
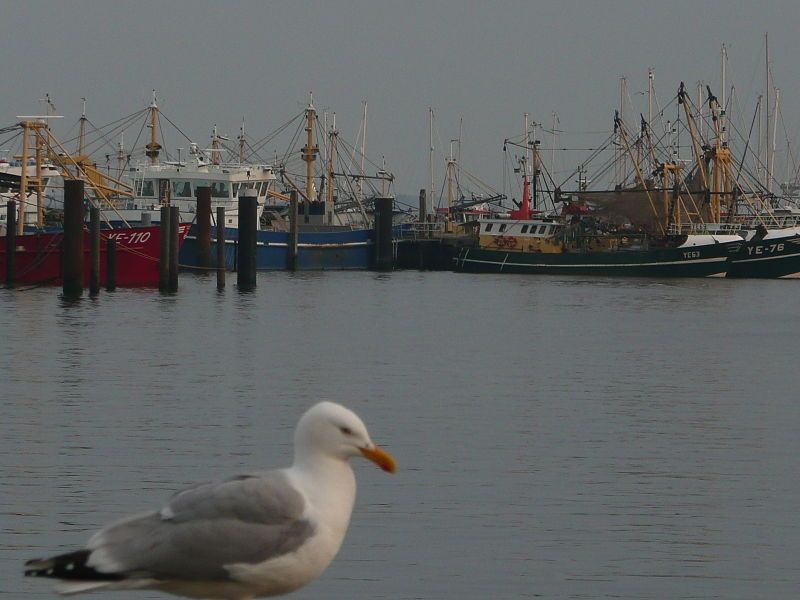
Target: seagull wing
248, 519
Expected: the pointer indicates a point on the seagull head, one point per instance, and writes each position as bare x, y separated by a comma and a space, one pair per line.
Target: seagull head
330, 429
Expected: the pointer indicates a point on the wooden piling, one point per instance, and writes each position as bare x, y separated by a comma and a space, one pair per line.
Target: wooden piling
248, 225
383, 259
72, 249
163, 255
174, 246
11, 241
94, 251
291, 247
203, 194
111, 265
220, 247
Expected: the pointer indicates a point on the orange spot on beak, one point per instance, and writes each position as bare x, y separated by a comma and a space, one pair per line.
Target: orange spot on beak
381, 458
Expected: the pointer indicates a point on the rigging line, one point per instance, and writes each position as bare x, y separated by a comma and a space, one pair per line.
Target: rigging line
591, 157
101, 133
290, 148
278, 129
130, 117
259, 144
17, 134
102, 136
188, 139
357, 152
789, 154
747, 145
273, 135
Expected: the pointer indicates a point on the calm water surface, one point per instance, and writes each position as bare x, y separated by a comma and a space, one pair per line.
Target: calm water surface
557, 437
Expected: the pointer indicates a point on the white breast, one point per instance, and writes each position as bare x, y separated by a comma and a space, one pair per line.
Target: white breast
330, 494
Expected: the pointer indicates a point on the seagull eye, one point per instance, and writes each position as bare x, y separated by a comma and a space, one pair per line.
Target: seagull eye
346, 430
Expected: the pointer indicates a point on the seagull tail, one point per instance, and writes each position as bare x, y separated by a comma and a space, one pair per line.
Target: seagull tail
76, 575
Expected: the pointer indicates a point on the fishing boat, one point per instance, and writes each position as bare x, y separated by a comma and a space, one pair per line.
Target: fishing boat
583, 246
327, 238
38, 256
678, 218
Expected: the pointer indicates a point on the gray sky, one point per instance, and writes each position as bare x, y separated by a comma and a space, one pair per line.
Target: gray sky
488, 62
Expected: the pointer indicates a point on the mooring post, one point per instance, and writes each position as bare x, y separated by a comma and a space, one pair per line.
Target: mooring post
72, 249
220, 247
291, 247
203, 194
163, 255
248, 222
174, 246
383, 234
94, 250
111, 264
11, 241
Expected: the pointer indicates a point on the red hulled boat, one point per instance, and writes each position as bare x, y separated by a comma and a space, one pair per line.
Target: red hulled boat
38, 256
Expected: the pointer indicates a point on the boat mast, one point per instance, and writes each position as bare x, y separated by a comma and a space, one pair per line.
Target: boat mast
553, 149
363, 144
771, 164
215, 146
619, 162
766, 111
451, 166
331, 159
310, 151
430, 154
23, 180
527, 144
121, 155
724, 107
82, 130
535, 173
152, 149
760, 121
39, 196
241, 142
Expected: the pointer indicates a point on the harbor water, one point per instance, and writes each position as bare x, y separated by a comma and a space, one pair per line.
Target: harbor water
557, 437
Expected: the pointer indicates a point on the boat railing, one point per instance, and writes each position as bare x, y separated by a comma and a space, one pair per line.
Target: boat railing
417, 231
704, 228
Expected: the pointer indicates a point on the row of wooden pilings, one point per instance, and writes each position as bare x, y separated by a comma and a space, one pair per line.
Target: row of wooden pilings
73, 251
246, 249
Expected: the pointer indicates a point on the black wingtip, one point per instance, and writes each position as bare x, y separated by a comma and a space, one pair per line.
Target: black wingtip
67, 566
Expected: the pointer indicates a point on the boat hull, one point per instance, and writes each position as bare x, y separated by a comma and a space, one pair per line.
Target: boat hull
777, 256
697, 261
317, 251
38, 259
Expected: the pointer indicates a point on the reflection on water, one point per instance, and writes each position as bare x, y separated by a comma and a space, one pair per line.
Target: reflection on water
557, 437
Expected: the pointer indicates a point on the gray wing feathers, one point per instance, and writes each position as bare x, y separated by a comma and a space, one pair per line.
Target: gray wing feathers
244, 520
262, 498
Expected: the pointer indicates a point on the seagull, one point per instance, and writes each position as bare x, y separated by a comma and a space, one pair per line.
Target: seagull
258, 534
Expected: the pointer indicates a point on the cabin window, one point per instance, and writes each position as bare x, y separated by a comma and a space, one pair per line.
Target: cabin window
181, 189
220, 189
146, 188
524, 229
489, 227
502, 228
542, 229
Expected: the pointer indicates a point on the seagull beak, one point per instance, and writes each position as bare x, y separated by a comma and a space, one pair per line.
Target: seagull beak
381, 458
